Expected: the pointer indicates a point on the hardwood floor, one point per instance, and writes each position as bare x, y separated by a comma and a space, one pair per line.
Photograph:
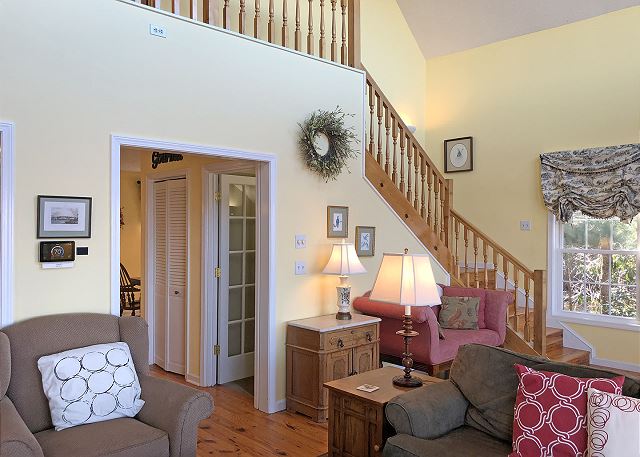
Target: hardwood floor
236, 428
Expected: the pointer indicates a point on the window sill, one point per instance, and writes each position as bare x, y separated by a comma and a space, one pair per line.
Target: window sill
620, 323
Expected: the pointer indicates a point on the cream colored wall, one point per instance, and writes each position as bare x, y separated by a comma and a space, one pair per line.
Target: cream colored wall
394, 60
571, 87
198, 86
130, 232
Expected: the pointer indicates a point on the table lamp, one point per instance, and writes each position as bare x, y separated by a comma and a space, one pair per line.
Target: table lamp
406, 280
344, 262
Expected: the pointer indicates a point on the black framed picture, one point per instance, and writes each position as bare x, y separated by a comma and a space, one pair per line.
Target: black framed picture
458, 154
64, 217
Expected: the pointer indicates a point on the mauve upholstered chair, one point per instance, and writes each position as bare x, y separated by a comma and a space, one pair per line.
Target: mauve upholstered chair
167, 425
429, 351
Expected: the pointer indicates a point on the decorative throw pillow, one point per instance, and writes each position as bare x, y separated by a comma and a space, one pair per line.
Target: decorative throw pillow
459, 312
550, 413
614, 425
90, 384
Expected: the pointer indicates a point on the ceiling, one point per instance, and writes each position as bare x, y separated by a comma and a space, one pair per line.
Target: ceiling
446, 26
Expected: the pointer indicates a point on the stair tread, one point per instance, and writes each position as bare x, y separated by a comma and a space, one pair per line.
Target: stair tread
564, 354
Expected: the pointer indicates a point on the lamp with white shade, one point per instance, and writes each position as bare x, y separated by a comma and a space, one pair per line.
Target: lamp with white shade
344, 262
406, 280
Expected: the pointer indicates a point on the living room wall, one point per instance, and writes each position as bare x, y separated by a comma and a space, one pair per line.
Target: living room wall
571, 87
81, 71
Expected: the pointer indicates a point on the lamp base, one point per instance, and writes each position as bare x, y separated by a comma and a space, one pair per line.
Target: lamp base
403, 381
343, 316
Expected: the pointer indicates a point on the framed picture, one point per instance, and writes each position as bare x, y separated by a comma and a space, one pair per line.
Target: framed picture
458, 154
64, 217
365, 241
337, 222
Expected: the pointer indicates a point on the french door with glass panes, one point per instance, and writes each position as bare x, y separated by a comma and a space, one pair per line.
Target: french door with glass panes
237, 290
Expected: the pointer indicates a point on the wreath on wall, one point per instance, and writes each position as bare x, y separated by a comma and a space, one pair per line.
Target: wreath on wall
326, 143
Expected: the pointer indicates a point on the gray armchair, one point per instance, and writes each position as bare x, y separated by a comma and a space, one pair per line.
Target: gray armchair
167, 425
471, 414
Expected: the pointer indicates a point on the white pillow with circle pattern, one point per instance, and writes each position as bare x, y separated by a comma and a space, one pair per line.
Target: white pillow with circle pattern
90, 384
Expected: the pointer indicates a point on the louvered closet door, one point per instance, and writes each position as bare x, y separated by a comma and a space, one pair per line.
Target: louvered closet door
171, 274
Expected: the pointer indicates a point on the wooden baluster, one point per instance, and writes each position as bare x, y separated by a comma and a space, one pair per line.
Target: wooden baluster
429, 184
354, 58
310, 34
372, 106
394, 133
466, 255
527, 316
476, 280
334, 28
242, 18
505, 271
226, 15
256, 20
516, 274
448, 201
380, 113
442, 199
485, 259
423, 178
151, 3
456, 227
271, 30
387, 126
175, 6
344, 51
416, 167
285, 25
436, 191
409, 168
322, 43
402, 144
193, 10
297, 35
495, 268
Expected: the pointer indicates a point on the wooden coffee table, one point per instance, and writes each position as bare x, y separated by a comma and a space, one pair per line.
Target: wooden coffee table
357, 423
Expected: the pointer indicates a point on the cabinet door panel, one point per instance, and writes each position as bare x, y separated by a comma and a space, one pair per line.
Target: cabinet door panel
339, 365
365, 358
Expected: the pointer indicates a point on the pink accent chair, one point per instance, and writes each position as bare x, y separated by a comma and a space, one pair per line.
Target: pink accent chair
429, 351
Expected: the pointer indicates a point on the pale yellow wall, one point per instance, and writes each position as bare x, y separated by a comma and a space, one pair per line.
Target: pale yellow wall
130, 232
70, 89
394, 60
571, 87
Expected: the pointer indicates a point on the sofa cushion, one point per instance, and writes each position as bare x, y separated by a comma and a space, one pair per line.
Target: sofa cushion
449, 291
115, 438
453, 339
463, 441
33, 338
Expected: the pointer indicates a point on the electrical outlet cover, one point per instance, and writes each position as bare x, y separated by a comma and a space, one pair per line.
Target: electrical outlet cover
301, 268
301, 241
525, 225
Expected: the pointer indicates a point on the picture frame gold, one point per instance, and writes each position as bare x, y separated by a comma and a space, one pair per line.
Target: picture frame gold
337, 221
365, 241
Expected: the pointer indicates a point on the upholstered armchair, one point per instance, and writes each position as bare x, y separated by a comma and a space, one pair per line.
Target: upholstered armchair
166, 426
429, 351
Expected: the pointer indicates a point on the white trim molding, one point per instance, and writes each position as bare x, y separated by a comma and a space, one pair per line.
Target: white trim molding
6, 222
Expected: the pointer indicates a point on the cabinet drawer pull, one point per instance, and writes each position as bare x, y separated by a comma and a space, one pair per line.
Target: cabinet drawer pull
369, 338
340, 343
376, 448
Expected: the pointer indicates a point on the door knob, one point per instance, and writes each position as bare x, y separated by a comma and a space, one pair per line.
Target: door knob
175, 292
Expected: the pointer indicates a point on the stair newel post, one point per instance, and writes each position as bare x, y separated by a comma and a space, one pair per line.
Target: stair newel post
256, 19
394, 134
271, 32
372, 106
242, 17
476, 280
402, 146
466, 255
540, 311
354, 58
310, 27
379, 114
387, 126
321, 43
448, 203
297, 34
416, 167
443, 197
527, 316
334, 28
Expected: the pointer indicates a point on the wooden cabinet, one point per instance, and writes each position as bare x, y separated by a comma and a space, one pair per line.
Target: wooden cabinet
322, 349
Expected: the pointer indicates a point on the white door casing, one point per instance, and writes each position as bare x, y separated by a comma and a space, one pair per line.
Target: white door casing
6, 223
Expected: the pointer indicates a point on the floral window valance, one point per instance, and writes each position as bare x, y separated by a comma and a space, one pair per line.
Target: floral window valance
599, 182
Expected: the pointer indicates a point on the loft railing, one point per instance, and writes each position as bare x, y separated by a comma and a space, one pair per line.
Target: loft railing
329, 29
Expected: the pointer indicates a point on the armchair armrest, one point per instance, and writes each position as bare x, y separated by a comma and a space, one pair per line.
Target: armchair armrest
495, 311
429, 411
15, 438
176, 409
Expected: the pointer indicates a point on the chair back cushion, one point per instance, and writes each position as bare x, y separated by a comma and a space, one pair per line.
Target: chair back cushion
486, 377
33, 338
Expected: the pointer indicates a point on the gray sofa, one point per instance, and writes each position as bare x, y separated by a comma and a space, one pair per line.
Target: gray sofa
166, 426
471, 414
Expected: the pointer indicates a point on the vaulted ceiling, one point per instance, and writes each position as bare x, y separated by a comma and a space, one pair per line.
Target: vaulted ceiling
446, 26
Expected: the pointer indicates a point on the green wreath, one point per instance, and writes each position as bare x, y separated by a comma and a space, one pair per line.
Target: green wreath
331, 124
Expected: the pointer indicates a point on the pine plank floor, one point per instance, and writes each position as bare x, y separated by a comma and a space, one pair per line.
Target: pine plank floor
237, 429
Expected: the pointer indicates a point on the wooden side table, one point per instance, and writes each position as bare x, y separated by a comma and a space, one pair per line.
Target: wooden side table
357, 423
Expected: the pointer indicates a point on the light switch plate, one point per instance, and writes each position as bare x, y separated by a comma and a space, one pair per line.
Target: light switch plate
158, 30
301, 241
301, 268
525, 226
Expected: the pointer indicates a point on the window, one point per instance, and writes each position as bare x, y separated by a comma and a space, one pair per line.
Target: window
600, 266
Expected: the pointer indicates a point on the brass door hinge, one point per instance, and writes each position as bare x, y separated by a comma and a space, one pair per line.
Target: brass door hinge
217, 196
216, 349
217, 272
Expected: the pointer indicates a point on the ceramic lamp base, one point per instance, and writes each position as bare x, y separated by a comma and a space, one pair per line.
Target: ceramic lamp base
343, 316
344, 299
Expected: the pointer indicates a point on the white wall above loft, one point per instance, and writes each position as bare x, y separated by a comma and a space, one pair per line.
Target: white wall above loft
445, 27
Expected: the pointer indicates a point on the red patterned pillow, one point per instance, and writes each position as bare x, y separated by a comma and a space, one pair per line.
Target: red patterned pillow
550, 414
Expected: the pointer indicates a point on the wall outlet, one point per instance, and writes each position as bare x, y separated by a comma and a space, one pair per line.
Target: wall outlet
157, 30
301, 241
301, 268
525, 226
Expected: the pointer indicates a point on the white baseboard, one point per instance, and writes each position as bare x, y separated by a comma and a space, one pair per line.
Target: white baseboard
279, 405
570, 339
615, 364
193, 379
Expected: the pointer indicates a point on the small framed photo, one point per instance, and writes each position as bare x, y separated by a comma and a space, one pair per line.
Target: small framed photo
64, 217
365, 241
458, 154
337, 222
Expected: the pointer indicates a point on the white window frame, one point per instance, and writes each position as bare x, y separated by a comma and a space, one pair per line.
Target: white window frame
554, 291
